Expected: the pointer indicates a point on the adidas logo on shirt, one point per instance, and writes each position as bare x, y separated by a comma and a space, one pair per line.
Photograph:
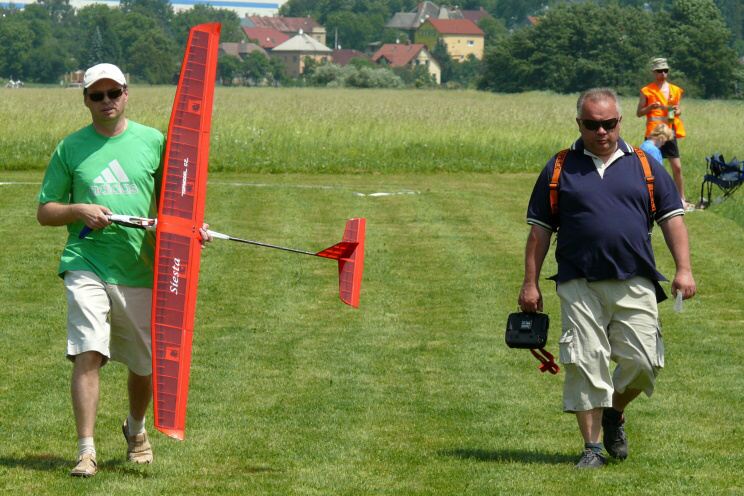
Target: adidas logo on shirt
113, 181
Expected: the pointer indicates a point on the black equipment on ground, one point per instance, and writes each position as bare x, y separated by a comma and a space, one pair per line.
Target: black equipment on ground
727, 176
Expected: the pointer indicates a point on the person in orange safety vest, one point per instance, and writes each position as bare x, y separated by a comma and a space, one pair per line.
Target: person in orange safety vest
659, 102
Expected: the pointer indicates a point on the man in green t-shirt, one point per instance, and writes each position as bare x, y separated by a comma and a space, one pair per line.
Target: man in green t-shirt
112, 165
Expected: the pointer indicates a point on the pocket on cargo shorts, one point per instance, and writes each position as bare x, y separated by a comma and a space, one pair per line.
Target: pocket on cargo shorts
659, 358
567, 346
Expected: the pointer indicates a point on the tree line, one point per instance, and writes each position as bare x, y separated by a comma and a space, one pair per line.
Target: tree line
574, 44
49, 38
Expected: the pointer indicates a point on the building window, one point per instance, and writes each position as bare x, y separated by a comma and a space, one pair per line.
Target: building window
471, 43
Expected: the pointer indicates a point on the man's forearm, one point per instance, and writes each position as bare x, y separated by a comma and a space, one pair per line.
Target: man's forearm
538, 243
57, 214
677, 240
61, 214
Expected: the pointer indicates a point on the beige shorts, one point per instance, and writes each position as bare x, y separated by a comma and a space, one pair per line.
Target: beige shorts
607, 321
110, 319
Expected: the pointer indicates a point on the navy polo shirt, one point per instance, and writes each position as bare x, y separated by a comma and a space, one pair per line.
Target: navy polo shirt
603, 222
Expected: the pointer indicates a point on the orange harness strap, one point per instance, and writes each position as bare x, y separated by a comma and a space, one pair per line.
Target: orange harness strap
649, 179
558, 167
559, 159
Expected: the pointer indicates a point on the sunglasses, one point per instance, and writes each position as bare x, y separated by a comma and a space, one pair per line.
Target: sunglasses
662, 70
607, 125
111, 94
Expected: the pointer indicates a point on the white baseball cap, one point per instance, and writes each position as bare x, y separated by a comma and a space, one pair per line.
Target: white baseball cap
103, 71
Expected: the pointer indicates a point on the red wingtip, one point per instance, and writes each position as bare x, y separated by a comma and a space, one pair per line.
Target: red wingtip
174, 433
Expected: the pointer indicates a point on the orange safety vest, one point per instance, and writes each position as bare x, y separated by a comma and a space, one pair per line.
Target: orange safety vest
661, 115
558, 167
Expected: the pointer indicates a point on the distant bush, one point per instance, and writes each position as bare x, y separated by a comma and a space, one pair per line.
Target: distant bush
350, 76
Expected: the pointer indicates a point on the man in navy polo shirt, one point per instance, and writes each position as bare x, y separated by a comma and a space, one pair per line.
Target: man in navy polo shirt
607, 279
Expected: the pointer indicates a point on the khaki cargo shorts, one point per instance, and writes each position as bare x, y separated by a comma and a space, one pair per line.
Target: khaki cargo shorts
110, 319
607, 321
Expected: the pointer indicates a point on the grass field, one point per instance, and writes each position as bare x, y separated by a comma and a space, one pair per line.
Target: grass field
414, 393
374, 131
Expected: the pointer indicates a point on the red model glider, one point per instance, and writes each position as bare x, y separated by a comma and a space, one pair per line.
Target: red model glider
178, 243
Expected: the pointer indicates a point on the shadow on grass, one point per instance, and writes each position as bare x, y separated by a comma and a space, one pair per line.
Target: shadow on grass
41, 462
510, 456
45, 462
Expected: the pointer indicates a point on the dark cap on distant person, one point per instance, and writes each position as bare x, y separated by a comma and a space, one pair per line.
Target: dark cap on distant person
658, 64
103, 71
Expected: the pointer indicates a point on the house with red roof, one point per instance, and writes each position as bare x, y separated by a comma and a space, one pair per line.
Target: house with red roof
408, 55
240, 50
462, 37
476, 15
409, 22
343, 56
291, 26
266, 38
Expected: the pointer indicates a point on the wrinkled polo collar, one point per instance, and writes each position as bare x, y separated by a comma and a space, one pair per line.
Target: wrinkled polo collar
578, 146
623, 149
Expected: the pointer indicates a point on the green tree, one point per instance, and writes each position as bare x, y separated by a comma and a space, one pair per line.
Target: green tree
228, 69
18, 39
354, 30
95, 48
60, 11
159, 10
29, 49
506, 67
515, 12
199, 14
439, 52
46, 62
308, 67
700, 46
494, 29
394, 36
107, 22
277, 72
149, 53
417, 76
467, 73
255, 68
574, 47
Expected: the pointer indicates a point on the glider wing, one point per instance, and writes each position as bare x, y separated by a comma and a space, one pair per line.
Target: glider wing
180, 215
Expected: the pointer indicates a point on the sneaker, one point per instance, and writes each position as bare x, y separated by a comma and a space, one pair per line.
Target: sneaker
615, 440
591, 459
138, 446
86, 466
689, 207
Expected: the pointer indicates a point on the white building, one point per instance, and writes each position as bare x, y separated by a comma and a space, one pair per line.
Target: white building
241, 7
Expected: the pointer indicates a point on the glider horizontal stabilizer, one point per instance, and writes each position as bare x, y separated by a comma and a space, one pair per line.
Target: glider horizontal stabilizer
349, 253
350, 256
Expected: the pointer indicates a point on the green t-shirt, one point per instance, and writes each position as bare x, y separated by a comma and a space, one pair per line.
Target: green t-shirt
121, 173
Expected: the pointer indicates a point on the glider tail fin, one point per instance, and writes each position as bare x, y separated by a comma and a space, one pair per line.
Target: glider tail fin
350, 255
